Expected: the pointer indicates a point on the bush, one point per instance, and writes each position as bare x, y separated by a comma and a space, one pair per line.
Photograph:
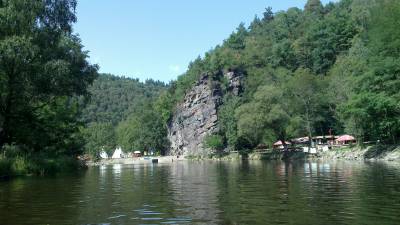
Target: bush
5, 167
51, 166
19, 166
214, 142
15, 163
12, 151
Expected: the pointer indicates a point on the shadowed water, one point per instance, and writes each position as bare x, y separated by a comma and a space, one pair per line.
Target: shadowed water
252, 192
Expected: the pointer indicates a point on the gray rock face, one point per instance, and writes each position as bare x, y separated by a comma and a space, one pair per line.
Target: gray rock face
235, 82
196, 117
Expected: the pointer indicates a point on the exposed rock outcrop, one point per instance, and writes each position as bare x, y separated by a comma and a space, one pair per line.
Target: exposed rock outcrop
235, 82
196, 117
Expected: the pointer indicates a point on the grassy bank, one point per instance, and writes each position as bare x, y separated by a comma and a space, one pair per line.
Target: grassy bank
21, 161
22, 166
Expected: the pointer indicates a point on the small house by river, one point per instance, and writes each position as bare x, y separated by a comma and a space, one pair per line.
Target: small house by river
318, 143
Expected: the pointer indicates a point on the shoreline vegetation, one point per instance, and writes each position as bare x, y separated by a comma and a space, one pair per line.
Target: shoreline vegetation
20, 166
359, 153
321, 70
44, 80
16, 162
324, 69
348, 153
356, 152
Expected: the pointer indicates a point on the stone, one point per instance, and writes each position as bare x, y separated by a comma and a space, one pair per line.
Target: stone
197, 116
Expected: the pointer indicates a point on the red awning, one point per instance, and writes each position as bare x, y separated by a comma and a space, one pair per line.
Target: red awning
280, 143
346, 138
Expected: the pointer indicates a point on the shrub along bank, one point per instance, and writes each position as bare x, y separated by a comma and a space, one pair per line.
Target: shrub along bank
15, 163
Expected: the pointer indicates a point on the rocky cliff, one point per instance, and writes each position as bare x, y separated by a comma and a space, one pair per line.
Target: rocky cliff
196, 117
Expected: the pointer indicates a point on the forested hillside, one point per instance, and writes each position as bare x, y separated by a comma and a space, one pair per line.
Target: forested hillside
321, 69
113, 98
112, 104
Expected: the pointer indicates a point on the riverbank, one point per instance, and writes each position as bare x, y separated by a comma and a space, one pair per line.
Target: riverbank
376, 152
136, 160
384, 153
24, 166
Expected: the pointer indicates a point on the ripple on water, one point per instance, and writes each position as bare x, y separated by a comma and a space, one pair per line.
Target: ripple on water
151, 218
116, 217
212, 193
148, 213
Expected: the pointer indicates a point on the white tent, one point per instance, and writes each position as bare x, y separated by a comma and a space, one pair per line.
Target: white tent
118, 153
103, 155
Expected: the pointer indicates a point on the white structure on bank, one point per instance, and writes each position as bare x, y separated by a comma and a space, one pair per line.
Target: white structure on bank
118, 153
103, 154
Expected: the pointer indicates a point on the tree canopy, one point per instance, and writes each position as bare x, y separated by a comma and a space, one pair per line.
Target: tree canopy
320, 70
42, 67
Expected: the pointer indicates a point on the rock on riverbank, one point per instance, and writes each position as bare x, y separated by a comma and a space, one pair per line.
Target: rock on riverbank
376, 152
197, 115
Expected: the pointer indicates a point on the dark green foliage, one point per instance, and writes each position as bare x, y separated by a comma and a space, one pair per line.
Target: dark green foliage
163, 106
313, 6
332, 68
124, 103
236, 40
227, 120
42, 68
114, 98
214, 142
308, 72
99, 137
5, 168
268, 15
306, 98
372, 110
144, 130
16, 161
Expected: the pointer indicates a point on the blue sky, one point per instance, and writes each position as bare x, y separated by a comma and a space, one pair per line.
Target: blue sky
158, 38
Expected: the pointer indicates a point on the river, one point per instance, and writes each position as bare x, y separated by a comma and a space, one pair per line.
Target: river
206, 192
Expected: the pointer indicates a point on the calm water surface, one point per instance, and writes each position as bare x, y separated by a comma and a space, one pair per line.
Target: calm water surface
209, 193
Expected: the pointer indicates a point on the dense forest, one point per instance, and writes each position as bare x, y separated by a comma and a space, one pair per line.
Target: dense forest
43, 73
54, 106
113, 98
323, 69
320, 70
108, 114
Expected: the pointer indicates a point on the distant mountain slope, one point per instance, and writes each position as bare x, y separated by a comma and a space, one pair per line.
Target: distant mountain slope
113, 98
324, 69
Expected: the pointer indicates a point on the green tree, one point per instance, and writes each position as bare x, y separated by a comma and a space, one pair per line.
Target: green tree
99, 137
144, 130
314, 6
268, 15
265, 118
41, 62
306, 72
372, 110
227, 120
164, 106
214, 142
236, 40
306, 98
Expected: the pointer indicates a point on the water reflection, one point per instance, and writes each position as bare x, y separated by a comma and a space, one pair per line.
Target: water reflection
248, 192
194, 190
